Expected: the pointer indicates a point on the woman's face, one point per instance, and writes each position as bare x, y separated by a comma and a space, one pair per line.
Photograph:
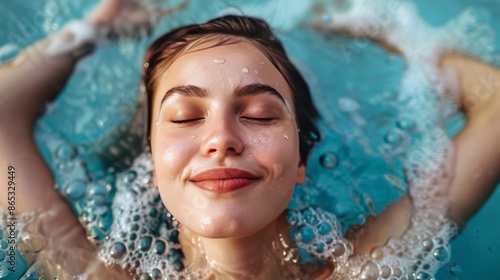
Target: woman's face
225, 141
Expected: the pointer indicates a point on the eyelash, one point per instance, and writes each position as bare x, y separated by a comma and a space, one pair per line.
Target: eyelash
260, 119
246, 118
264, 120
185, 121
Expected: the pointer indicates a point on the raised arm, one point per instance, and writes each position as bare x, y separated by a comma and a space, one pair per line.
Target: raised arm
27, 83
477, 155
477, 149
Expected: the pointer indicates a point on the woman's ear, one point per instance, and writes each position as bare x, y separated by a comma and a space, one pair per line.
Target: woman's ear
301, 173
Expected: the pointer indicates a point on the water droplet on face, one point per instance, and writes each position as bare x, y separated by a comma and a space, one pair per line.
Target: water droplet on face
219, 60
328, 160
203, 68
256, 72
245, 70
194, 136
157, 123
285, 136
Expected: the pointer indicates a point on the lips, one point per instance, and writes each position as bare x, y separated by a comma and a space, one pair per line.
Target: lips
223, 180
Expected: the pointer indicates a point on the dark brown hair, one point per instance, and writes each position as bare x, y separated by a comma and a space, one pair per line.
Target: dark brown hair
229, 30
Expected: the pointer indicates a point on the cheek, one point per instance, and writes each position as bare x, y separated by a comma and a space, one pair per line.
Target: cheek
279, 141
170, 154
276, 148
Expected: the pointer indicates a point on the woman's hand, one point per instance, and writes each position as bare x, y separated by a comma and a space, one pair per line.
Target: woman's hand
128, 18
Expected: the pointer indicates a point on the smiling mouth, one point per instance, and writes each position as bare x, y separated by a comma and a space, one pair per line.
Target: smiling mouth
223, 180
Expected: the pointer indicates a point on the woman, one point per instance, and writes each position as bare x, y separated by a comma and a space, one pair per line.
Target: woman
229, 144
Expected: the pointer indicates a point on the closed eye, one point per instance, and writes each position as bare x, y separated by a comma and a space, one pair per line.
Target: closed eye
181, 121
260, 119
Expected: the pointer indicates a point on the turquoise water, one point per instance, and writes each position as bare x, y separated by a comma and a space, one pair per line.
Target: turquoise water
354, 172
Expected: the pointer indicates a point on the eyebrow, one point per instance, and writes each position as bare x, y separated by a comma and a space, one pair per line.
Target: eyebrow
247, 90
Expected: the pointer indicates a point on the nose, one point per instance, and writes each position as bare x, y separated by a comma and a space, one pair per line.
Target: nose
222, 140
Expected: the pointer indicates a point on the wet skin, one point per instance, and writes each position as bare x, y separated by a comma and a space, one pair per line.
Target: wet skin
225, 141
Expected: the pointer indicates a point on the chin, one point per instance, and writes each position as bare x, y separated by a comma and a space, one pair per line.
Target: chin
228, 226
224, 228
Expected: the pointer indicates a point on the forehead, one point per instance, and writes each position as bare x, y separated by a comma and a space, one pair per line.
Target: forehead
215, 66
227, 48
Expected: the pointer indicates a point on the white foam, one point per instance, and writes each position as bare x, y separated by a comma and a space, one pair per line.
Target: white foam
422, 90
81, 33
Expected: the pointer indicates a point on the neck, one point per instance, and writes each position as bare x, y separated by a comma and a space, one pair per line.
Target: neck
246, 257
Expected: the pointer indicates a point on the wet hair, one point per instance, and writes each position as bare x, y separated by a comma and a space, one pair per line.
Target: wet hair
229, 30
